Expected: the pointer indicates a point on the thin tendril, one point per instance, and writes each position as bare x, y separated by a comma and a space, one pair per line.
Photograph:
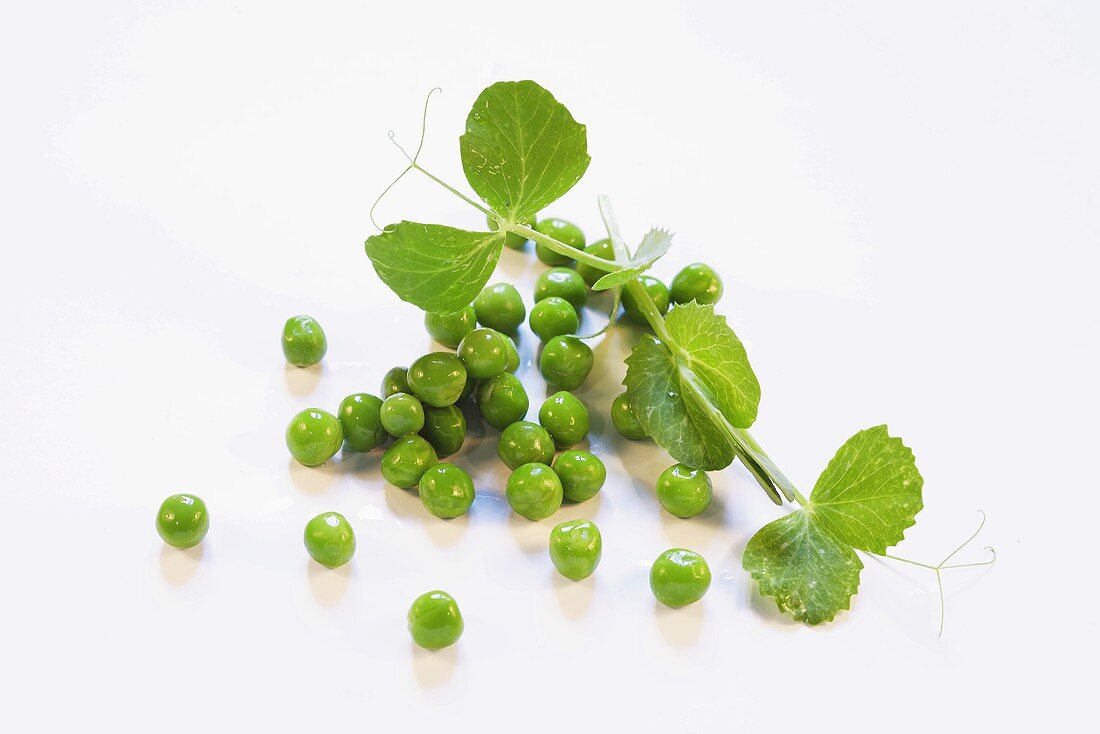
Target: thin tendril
424, 122
384, 192
410, 158
967, 541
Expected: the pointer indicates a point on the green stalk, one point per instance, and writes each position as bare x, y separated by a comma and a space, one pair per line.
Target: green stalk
559, 247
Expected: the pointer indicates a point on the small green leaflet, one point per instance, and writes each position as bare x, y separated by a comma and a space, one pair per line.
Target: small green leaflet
437, 268
654, 245
522, 150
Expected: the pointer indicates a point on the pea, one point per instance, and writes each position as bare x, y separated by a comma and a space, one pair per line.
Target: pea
500, 307
513, 354
434, 620
552, 317
330, 540
361, 421
304, 341
679, 577
562, 231
683, 491
696, 282
401, 414
446, 491
182, 521
563, 283
396, 380
314, 436
534, 491
566, 362
565, 418
576, 548
445, 429
438, 379
406, 461
582, 474
484, 352
449, 328
625, 419
511, 239
600, 248
524, 442
502, 401
657, 291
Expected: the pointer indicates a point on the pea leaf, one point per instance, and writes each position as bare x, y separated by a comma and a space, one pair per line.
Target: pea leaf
522, 150
654, 245
437, 268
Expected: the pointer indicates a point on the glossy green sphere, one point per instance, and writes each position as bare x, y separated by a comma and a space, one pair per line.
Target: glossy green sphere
314, 436
329, 539
502, 401
534, 491
565, 418
563, 283
446, 491
511, 239
406, 461
449, 328
401, 414
513, 353
552, 317
434, 620
182, 521
394, 381
566, 362
576, 548
444, 428
657, 291
679, 577
625, 419
562, 231
499, 306
485, 353
524, 442
438, 379
304, 341
582, 474
683, 491
697, 282
602, 249
361, 421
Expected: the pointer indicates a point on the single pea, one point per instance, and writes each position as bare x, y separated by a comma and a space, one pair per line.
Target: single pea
446, 491
602, 249
562, 231
576, 548
552, 317
361, 421
511, 239
434, 620
679, 577
625, 419
513, 353
697, 282
656, 290
524, 442
304, 341
449, 328
182, 521
499, 306
330, 540
683, 491
438, 379
563, 283
565, 418
582, 474
566, 362
484, 352
314, 436
401, 414
502, 401
396, 380
534, 491
406, 461
444, 428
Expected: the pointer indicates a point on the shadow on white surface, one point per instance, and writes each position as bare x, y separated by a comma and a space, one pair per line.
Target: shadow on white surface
314, 479
328, 585
698, 530
444, 533
766, 609
680, 627
433, 668
574, 597
179, 565
301, 381
530, 535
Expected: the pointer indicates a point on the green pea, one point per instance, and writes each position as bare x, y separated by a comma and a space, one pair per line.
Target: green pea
566, 362
582, 474
552, 317
446, 491
484, 352
683, 491
330, 540
449, 328
500, 307
406, 461
625, 419
576, 548
438, 379
657, 291
314, 436
511, 239
445, 429
513, 354
434, 620
502, 401
565, 418
697, 282
304, 341
524, 442
563, 283
396, 380
534, 491
361, 421
182, 521
401, 414
562, 231
679, 577
602, 249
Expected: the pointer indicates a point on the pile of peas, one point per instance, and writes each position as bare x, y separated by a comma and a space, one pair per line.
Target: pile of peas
418, 409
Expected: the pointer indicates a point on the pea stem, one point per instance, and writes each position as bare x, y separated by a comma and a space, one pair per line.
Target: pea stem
557, 246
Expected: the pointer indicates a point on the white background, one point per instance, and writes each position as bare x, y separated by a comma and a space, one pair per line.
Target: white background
902, 200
